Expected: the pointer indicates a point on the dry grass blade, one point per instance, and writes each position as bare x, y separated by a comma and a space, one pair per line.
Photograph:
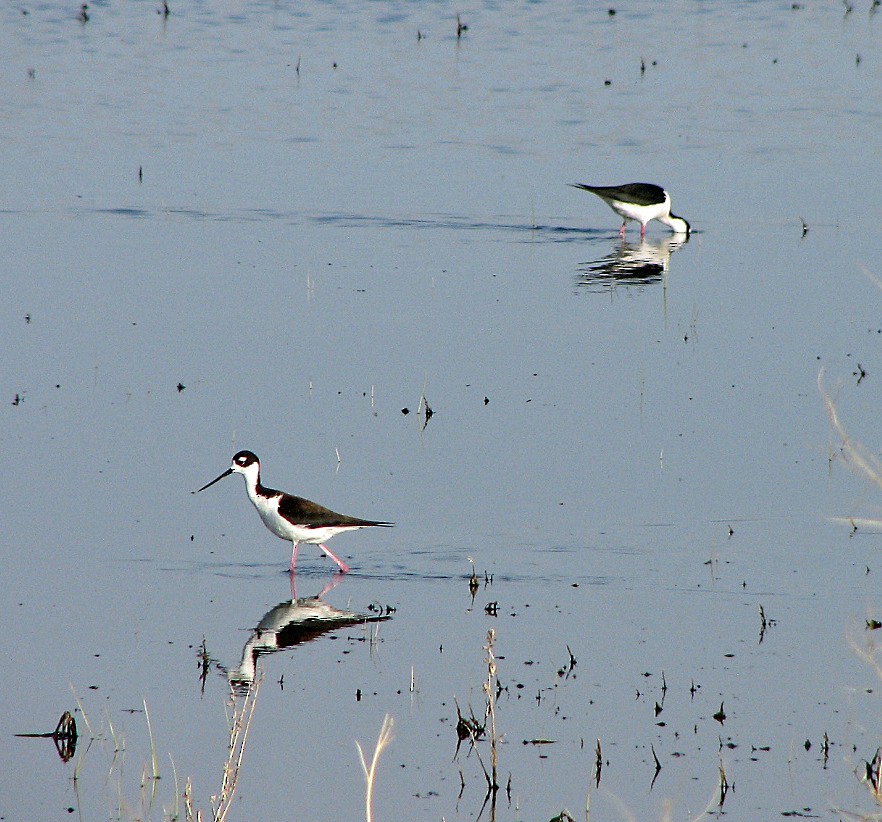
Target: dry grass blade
243, 705
370, 771
490, 692
154, 760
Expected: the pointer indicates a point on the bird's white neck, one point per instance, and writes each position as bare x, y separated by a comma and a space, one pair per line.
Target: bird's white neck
251, 475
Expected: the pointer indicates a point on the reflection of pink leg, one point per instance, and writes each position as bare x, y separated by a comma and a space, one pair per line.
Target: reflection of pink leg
333, 583
343, 566
293, 586
622, 231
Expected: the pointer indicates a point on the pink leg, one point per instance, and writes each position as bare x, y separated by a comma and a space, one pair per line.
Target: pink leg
622, 231
642, 230
343, 566
293, 560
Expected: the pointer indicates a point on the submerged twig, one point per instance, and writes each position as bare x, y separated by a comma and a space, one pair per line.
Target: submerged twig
855, 455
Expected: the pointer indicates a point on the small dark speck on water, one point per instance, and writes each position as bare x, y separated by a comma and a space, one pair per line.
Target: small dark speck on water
333, 65
486, 400
28, 319
140, 174
84, 13
607, 82
181, 387
405, 411
611, 12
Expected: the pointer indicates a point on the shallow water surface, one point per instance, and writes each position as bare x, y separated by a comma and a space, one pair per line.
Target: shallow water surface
287, 229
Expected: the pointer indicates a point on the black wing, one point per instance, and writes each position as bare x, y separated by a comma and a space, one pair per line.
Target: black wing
312, 515
638, 193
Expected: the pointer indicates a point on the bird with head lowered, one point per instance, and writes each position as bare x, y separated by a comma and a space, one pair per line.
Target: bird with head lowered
640, 202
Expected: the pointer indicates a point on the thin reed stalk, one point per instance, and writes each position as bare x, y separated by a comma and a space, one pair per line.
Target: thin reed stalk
370, 771
240, 724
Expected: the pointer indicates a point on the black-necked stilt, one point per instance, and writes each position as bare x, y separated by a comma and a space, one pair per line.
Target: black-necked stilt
292, 518
641, 202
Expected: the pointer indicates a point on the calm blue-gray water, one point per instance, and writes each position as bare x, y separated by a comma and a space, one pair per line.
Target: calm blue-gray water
287, 227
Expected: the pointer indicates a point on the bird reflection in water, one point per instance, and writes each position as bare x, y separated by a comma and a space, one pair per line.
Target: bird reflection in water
632, 264
295, 622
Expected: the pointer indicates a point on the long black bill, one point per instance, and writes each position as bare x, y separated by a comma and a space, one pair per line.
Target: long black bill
217, 479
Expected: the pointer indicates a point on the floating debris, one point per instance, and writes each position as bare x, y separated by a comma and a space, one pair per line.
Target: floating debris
64, 736
724, 784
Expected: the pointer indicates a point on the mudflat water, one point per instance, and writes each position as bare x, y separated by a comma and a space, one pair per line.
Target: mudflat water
280, 226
